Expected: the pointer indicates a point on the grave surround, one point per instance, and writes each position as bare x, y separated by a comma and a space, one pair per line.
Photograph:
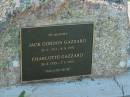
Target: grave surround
110, 38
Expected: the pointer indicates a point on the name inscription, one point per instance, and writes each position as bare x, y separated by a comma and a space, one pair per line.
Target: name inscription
56, 51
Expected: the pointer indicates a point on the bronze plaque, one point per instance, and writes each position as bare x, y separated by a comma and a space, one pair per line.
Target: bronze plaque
56, 51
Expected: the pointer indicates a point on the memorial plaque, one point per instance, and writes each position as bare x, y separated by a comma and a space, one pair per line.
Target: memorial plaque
56, 51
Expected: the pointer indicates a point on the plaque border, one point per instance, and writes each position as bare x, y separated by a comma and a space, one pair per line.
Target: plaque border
59, 79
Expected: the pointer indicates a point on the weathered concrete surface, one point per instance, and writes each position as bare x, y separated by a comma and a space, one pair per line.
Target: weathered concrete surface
110, 49
123, 82
118, 86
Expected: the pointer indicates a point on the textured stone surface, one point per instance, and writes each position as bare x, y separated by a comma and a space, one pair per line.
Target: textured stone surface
118, 86
110, 49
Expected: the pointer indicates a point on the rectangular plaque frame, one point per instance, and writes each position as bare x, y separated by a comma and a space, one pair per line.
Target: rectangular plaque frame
87, 28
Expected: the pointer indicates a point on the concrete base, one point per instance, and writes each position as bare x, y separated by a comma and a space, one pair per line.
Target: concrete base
118, 86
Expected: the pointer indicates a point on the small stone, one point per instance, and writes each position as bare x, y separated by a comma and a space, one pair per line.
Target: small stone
122, 64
